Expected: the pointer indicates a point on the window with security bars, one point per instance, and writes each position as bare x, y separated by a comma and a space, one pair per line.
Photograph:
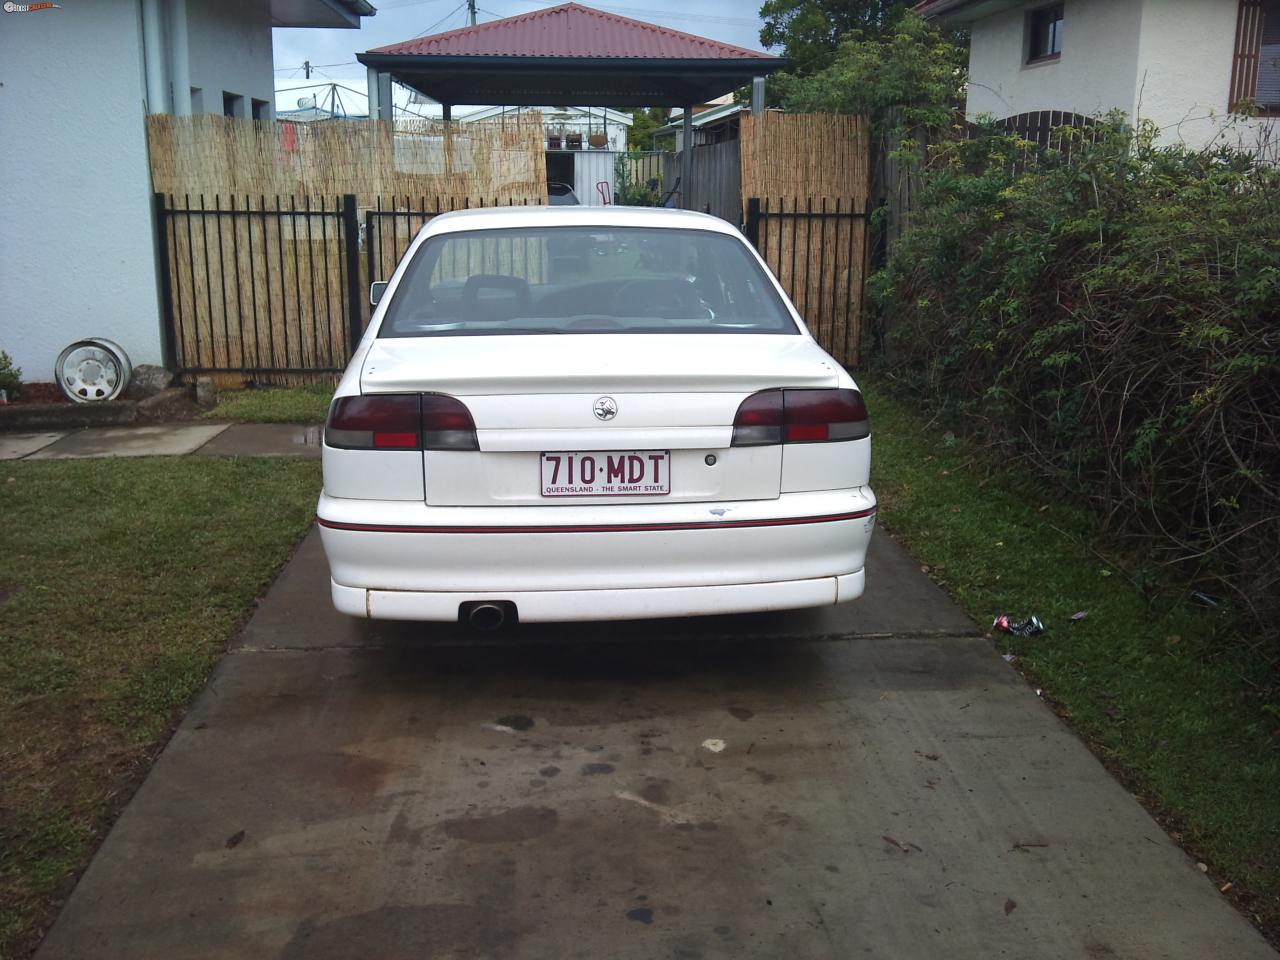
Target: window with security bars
1255, 75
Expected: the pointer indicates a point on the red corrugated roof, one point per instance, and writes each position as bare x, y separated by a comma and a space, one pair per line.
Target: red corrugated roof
571, 30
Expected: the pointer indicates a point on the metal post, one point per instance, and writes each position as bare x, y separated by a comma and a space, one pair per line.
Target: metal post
686, 158
168, 339
371, 82
351, 245
757, 95
179, 59
153, 50
752, 227
386, 107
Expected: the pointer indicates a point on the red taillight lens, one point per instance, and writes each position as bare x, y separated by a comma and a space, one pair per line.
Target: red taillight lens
400, 422
816, 416
390, 422
800, 416
759, 421
447, 424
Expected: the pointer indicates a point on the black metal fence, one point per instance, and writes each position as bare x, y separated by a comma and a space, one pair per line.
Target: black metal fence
258, 285
818, 251
271, 287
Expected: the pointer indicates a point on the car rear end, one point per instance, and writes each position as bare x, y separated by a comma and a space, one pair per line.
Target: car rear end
642, 463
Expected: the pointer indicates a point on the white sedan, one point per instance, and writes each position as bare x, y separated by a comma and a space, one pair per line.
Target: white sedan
591, 414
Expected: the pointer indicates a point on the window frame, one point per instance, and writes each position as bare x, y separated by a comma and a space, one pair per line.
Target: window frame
1246, 60
1033, 23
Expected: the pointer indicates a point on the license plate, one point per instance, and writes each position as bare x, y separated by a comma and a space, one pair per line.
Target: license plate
607, 473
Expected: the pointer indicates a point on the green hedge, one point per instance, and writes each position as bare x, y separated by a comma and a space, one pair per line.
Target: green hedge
1112, 319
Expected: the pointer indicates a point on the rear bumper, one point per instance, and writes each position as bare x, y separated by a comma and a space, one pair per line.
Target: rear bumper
411, 561
558, 606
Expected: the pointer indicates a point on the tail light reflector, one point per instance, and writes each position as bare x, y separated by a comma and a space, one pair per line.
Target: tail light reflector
400, 422
447, 424
800, 416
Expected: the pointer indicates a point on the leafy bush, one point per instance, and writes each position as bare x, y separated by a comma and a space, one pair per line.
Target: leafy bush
631, 192
10, 376
1114, 321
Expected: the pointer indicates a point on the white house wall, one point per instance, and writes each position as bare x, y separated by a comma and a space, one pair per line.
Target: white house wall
229, 44
1168, 61
1094, 75
76, 196
1184, 72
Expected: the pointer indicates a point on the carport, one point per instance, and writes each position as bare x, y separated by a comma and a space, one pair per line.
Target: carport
568, 55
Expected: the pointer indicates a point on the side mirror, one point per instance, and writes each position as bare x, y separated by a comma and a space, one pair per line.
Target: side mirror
376, 290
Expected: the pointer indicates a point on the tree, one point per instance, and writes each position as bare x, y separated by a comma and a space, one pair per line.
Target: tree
907, 75
645, 121
810, 31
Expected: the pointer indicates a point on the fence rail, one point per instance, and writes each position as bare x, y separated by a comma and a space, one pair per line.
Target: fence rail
256, 286
275, 287
818, 252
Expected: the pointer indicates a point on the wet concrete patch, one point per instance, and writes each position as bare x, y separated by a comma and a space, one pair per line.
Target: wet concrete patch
151, 441
405, 933
595, 769
15, 446
509, 826
656, 791
516, 721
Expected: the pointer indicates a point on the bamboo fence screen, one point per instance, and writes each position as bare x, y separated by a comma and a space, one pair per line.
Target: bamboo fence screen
257, 244
255, 239
811, 173
220, 156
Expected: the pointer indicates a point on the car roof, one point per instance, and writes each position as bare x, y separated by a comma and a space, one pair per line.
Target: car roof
506, 218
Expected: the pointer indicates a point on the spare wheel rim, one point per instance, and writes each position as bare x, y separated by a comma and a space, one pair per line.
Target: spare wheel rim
90, 371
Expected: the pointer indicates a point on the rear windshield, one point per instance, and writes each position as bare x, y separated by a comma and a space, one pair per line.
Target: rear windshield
544, 280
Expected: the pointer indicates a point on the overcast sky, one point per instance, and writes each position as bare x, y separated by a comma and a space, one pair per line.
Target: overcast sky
332, 52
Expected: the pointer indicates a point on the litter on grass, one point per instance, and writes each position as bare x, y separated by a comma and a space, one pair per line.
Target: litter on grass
1079, 615
1022, 628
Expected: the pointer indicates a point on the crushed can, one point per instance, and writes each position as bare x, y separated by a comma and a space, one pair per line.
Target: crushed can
1021, 628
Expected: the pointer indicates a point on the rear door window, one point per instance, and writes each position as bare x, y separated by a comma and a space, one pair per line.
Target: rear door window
563, 280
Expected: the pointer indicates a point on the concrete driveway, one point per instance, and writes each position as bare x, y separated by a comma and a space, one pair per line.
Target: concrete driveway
868, 781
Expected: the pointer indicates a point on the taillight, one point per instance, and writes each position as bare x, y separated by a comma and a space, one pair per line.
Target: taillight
800, 416
400, 422
447, 424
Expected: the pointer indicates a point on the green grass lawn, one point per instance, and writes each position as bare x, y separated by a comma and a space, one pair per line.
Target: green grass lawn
1157, 688
307, 404
121, 582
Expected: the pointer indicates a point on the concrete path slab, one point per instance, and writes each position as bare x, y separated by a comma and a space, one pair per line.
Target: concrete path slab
344, 790
160, 440
15, 446
265, 440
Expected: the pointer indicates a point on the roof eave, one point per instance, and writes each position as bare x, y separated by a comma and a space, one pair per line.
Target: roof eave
963, 11
761, 65
331, 14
